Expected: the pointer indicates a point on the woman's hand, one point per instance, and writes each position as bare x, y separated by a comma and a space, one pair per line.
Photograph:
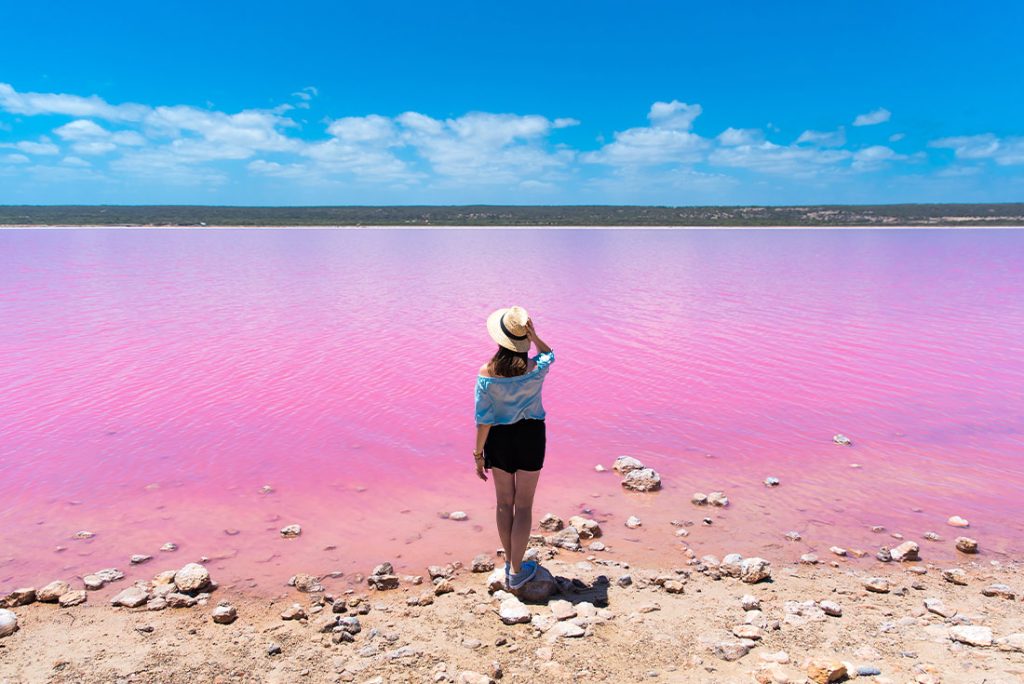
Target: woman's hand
530, 332
480, 467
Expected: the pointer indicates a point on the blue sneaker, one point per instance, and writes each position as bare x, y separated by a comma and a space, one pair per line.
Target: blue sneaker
508, 573
526, 572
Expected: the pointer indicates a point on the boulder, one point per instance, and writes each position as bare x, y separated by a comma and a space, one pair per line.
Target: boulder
955, 576
972, 635
825, 671
52, 592
642, 480
224, 613
878, 585
551, 523
587, 528
731, 565
539, 589
19, 597
625, 464
178, 600
483, 563
730, 650
999, 591
569, 539
753, 570
132, 597
513, 612
192, 577
907, 551
72, 598
305, 583
966, 545
718, 499
8, 622
1013, 643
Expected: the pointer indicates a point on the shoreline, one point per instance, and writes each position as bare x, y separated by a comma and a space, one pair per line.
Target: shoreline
685, 623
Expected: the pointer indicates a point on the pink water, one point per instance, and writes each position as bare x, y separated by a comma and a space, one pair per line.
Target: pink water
151, 382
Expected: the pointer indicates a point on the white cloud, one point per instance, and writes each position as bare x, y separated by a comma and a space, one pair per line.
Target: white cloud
69, 105
880, 115
72, 160
836, 138
89, 138
731, 137
874, 157
41, 147
667, 140
767, 157
1003, 151
14, 159
896, 137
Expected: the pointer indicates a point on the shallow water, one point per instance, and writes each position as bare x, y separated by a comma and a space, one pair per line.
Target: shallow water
152, 381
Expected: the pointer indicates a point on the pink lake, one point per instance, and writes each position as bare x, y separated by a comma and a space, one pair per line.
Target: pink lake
152, 381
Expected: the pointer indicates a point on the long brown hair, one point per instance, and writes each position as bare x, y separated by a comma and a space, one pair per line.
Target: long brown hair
507, 363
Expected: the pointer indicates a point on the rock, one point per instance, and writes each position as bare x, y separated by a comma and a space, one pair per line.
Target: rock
779, 657
955, 576
825, 671
750, 602
169, 547
999, 591
165, 577
305, 583
291, 531
753, 570
771, 482
8, 622
72, 598
674, 587
156, 603
624, 581
809, 559
513, 612
599, 546
932, 536
966, 545
132, 597
293, 612
496, 580
84, 534
458, 516
878, 585
349, 625
867, 671
444, 586
972, 635
801, 612
831, 608
907, 551
699, 499
19, 597
470, 677
731, 565
600, 468
842, 440
568, 630
718, 499
793, 535
884, 554
747, 632
435, 571
92, 582
643, 480
838, 550
1011, 642
178, 600
562, 610
957, 521
731, 650
273, 649
585, 527
935, 605
383, 582
633, 522
224, 613
539, 589
626, 464
483, 563
192, 577
569, 539
551, 523
52, 592
109, 574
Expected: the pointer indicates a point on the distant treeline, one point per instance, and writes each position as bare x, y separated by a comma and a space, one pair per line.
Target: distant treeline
838, 215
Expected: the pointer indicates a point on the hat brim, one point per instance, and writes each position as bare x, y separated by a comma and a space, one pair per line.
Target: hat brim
494, 329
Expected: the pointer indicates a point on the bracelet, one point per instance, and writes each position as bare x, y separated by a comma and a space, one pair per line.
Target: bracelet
479, 454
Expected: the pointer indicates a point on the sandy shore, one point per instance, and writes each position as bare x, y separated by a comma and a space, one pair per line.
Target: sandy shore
676, 624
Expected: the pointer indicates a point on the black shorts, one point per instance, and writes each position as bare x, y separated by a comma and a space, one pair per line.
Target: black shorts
516, 446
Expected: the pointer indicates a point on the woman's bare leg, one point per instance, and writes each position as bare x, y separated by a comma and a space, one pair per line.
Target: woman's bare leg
505, 491
522, 520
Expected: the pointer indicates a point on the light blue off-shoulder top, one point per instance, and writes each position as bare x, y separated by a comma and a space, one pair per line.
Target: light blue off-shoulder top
500, 401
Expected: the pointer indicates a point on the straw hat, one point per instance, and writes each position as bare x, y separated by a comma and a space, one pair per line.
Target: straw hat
507, 327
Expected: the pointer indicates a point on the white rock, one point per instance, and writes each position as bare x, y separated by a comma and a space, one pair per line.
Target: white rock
907, 551
8, 622
224, 614
878, 585
586, 528
566, 629
289, 531
838, 550
192, 577
642, 480
1011, 642
957, 521
750, 602
771, 482
52, 592
458, 516
562, 610
633, 522
625, 464
754, 570
831, 608
130, 597
842, 440
169, 546
731, 565
718, 499
972, 635
513, 612
935, 605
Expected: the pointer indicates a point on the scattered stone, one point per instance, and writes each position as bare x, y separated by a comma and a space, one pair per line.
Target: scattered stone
826, 671
935, 605
731, 650
84, 534
751, 632
569, 630
779, 657
305, 583
674, 587
562, 610
349, 625
972, 635
293, 612
707, 521
831, 608
52, 592
907, 551
624, 581
718, 499
966, 545
458, 516
599, 546
957, 521
809, 559
139, 559
878, 585
633, 522
72, 598
444, 586
8, 622
483, 563
169, 546
470, 677
224, 613
932, 536
273, 649
999, 591
165, 577
551, 523
842, 440
731, 565
626, 464
1011, 642
178, 600
434, 571
569, 539
793, 535
771, 482
586, 528
750, 602
92, 582
600, 468
496, 580
132, 597
291, 531
19, 597
884, 555
699, 499
955, 576
192, 577
156, 603
867, 671
754, 570
838, 550
513, 612
539, 589
642, 480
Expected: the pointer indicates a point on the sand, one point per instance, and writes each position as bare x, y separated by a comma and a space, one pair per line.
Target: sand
644, 632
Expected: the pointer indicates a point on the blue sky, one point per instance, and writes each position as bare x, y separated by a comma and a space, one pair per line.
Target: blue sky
521, 103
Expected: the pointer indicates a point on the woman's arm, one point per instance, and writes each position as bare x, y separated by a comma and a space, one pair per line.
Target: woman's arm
478, 451
532, 334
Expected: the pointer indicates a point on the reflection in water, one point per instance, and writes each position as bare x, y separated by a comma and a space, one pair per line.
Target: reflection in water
153, 381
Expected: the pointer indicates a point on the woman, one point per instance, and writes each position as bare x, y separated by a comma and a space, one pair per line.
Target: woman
510, 435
